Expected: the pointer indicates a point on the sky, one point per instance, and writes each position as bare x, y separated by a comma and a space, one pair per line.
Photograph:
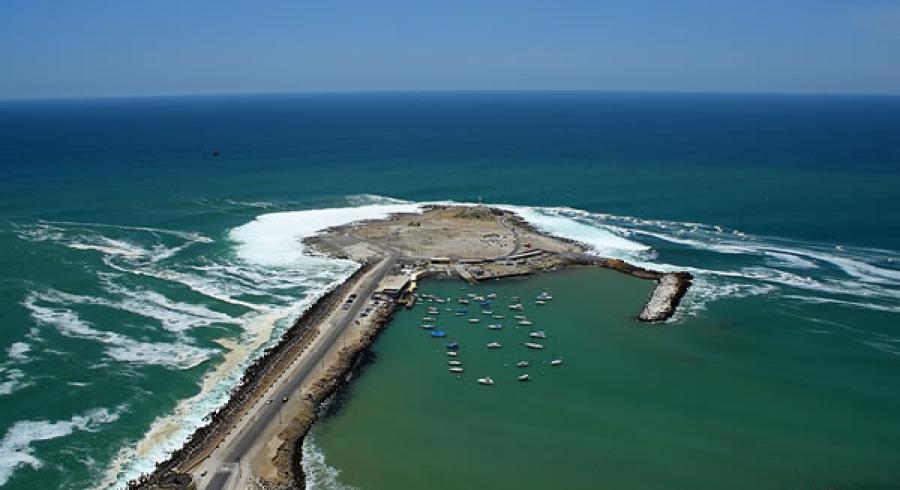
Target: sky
162, 47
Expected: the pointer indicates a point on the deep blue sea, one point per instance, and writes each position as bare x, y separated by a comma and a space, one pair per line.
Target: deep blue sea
134, 288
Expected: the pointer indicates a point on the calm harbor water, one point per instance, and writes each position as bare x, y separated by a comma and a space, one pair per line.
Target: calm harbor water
709, 405
136, 282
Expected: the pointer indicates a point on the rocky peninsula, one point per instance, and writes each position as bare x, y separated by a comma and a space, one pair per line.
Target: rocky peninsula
254, 441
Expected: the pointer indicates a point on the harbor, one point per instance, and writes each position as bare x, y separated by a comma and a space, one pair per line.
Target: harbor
256, 438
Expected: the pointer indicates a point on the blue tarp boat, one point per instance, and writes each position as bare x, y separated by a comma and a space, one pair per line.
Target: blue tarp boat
438, 333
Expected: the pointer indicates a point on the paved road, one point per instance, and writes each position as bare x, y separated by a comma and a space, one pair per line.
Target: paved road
240, 446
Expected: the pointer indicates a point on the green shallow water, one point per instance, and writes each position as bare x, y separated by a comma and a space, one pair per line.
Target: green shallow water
686, 406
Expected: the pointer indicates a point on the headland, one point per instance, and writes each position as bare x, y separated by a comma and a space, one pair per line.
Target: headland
254, 440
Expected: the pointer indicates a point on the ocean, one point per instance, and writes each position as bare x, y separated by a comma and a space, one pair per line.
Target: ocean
150, 248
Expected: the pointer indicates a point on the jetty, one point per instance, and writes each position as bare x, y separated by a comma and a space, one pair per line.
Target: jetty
255, 439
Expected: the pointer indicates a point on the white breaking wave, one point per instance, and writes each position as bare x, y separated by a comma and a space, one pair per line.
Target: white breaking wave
119, 347
16, 447
276, 239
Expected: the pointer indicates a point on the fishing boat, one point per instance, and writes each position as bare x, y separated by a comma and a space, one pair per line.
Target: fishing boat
556, 362
455, 363
495, 326
452, 353
516, 307
453, 346
474, 320
494, 345
522, 364
486, 381
538, 335
439, 333
532, 345
524, 323
456, 369
427, 326
523, 377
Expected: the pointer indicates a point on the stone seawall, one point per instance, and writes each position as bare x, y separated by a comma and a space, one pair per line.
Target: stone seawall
256, 379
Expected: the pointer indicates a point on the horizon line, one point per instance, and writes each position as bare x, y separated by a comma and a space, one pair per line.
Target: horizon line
448, 91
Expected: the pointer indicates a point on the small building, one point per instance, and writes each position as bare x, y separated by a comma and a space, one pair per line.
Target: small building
395, 286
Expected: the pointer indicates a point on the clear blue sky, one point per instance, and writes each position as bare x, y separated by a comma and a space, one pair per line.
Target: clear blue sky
122, 47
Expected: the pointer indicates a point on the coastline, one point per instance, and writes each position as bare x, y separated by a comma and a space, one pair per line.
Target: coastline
285, 468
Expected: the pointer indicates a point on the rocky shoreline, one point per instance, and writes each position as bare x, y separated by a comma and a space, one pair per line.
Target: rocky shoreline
256, 379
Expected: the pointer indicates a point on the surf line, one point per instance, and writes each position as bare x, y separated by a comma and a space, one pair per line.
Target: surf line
256, 437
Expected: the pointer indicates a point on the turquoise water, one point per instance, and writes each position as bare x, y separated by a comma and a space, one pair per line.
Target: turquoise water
710, 405
128, 258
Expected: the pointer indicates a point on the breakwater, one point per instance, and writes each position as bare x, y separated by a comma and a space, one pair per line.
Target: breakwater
257, 378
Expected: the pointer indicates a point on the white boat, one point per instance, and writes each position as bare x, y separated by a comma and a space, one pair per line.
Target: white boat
495, 326
427, 326
458, 313
556, 362
474, 320
524, 323
486, 381
497, 317
456, 369
516, 307
452, 353
494, 345
492, 296
520, 317
538, 335
428, 319
540, 303
487, 312
455, 363
532, 345
522, 364
523, 377
463, 301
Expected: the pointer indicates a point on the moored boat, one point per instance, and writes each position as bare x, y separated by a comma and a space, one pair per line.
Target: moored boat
495, 326
453, 346
486, 381
487, 312
428, 319
454, 363
520, 317
452, 353
463, 301
522, 364
439, 333
538, 335
497, 317
523, 377
524, 323
540, 302
427, 326
556, 362
533, 345
494, 345
474, 320
456, 369
516, 307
